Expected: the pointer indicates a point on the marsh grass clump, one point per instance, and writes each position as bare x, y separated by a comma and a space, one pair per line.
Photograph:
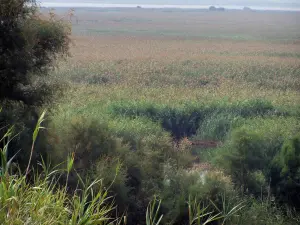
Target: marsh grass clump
184, 121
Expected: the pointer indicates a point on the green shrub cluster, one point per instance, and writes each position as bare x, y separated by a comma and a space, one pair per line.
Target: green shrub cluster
261, 155
100, 148
44, 199
132, 136
148, 163
285, 172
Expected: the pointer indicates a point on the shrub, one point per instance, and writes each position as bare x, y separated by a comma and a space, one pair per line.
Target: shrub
204, 187
87, 139
285, 172
261, 213
99, 147
248, 154
41, 200
114, 179
97, 153
245, 155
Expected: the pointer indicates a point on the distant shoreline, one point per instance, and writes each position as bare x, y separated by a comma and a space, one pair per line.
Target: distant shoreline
148, 6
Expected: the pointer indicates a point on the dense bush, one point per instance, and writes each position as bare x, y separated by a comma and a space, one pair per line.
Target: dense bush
251, 156
99, 149
96, 153
262, 212
286, 172
246, 156
203, 186
87, 139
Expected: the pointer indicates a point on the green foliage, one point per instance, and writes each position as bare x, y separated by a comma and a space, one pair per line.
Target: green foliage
186, 120
5, 161
43, 201
250, 151
205, 187
114, 179
29, 44
87, 139
290, 158
285, 172
152, 213
100, 148
34, 137
95, 153
262, 213
246, 156
216, 126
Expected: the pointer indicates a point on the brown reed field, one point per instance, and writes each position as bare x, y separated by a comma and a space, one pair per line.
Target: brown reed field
184, 65
181, 69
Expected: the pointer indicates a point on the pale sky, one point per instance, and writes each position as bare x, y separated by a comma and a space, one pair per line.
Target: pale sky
186, 2
258, 3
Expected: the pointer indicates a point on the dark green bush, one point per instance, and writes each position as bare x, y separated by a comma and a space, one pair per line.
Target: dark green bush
23, 118
87, 139
285, 172
244, 158
29, 45
99, 149
257, 158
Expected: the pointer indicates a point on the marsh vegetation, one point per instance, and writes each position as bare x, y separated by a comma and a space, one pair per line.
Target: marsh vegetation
161, 118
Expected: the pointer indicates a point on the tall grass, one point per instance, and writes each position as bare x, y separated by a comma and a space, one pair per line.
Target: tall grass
43, 201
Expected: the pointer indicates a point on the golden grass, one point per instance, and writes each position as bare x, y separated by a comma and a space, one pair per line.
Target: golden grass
94, 48
174, 70
171, 70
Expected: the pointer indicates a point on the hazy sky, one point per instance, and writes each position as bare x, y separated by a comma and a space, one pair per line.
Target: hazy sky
291, 4
186, 2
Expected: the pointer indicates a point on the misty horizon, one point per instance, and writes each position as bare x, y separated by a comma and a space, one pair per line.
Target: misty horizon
229, 4
257, 3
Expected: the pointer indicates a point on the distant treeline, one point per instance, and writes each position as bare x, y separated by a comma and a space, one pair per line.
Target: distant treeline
213, 8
